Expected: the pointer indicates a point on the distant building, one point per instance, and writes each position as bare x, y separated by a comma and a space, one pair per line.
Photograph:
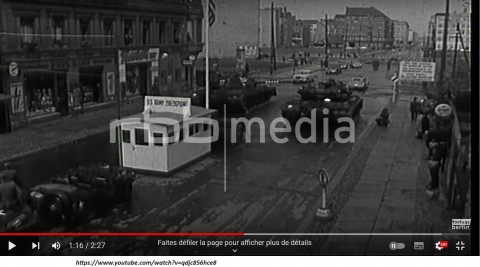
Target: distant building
231, 30
283, 25
401, 31
364, 27
313, 31
437, 28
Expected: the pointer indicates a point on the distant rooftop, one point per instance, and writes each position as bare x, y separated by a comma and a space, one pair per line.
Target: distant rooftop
363, 11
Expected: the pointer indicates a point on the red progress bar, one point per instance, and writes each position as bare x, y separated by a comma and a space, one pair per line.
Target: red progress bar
122, 234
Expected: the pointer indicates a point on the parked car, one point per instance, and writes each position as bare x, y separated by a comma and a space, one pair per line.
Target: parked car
304, 76
333, 70
358, 83
356, 65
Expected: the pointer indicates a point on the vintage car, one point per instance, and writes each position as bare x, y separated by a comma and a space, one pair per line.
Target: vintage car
304, 76
83, 193
356, 65
333, 70
358, 83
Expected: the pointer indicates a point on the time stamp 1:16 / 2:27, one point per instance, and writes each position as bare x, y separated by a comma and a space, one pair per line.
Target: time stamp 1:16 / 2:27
86, 245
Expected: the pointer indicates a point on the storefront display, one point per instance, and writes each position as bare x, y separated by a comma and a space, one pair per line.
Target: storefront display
39, 94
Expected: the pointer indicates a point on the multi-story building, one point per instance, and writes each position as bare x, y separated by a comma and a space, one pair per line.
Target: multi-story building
437, 28
232, 30
364, 27
400, 33
77, 54
283, 25
313, 31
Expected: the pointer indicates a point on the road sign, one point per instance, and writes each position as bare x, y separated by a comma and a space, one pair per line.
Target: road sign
13, 69
417, 71
323, 177
187, 62
394, 79
122, 72
443, 110
191, 57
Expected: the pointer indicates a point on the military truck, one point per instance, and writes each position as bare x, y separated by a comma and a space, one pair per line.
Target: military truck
331, 95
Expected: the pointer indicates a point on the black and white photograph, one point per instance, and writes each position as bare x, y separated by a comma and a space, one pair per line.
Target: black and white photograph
238, 128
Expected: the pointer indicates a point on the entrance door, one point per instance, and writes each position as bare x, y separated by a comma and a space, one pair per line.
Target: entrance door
62, 93
142, 79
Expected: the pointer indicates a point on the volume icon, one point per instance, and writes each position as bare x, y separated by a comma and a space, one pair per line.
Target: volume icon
56, 245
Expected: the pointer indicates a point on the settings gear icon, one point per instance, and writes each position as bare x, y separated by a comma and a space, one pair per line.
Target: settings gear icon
437, 246
440, 245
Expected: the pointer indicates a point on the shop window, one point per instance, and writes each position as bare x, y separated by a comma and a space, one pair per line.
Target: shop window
141, 137
126, 136
39, 93
189, 34
128, 32
27, 25
91, 85
58, 28
158, 139
136, 80
162, 29
108, 31
146, 32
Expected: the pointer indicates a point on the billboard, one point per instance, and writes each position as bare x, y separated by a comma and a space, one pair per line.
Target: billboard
417, 71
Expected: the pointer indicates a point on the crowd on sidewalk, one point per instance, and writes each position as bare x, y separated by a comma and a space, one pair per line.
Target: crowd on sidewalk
434, 126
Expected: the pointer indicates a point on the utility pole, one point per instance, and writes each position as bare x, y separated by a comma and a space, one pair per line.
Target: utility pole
455, 52
444, 46
326, 41
273, 56
346, 39
259, 29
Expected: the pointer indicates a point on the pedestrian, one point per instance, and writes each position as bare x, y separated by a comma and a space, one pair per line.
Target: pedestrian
414, 109
434, 168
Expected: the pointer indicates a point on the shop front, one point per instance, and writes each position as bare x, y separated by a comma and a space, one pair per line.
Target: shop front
138, 71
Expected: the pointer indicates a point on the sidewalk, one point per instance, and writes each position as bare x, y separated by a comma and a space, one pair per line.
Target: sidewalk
384, 199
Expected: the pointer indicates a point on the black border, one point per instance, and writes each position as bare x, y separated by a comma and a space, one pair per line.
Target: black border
475, 77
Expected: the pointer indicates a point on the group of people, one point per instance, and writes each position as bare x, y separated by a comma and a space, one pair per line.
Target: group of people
436, 132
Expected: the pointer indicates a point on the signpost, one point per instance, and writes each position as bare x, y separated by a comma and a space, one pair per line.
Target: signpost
417, 71
13, 69
324, 178
395, 80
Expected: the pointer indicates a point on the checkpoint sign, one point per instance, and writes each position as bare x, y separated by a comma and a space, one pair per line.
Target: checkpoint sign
323, 177
417, 71
443, 110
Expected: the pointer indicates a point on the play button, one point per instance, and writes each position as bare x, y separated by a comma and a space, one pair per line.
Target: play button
11, 245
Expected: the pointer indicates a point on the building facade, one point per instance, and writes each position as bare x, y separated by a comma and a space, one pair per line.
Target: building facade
437, 28
231, 30
363, 27
83, 54
401, 31
284, 27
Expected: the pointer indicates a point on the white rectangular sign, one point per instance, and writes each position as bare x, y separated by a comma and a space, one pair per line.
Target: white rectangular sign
178, 105
417, 71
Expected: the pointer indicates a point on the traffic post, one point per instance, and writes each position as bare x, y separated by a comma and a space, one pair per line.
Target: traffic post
395, 87
323, 212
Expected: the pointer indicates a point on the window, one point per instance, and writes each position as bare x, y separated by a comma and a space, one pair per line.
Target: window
162, 32
141, 137
146, 32
176, 32
158, 139
171, 137
27, 29
58, 26
126, 136
128, 32
85, 29
108, 31
189, 34
205, 127
191, 130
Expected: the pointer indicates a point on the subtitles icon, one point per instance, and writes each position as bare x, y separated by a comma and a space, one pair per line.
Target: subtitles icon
440, 245
418, 246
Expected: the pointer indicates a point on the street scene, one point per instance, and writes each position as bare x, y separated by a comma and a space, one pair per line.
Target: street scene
342, 123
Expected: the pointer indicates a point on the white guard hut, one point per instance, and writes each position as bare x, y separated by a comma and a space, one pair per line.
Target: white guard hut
168, 135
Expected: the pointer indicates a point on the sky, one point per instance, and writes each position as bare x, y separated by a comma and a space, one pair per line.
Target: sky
415, 12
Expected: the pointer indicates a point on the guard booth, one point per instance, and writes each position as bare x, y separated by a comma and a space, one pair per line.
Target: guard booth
168, 135
5, 114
